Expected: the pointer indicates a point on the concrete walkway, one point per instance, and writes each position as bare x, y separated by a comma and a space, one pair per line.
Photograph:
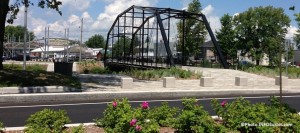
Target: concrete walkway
223, 79
107, 87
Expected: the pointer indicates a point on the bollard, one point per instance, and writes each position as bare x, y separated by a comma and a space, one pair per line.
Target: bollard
241, 81
284, 80
169, 82
206, 81
126, 83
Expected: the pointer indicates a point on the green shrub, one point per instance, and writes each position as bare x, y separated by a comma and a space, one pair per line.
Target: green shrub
99, 70
194, 119
243, 116
12, 66
47, 121
1, 127
116, 118
36, 67
159, 73
91, 66
293, 72
120, 117
78, 129
29, 67
163, 114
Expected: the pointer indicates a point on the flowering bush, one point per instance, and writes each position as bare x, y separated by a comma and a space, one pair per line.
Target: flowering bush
120, 117
193, 119
237, 116
241, 115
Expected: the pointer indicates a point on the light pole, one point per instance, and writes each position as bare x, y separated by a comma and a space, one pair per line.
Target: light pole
80, 45
25, 35
287, 45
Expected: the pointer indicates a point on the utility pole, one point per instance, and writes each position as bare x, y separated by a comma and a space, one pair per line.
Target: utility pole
45, 43
48, 43
29, 38
64, 58
25, 35
80, 45
68, 45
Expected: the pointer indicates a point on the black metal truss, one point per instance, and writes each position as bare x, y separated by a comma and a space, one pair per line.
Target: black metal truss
144, 14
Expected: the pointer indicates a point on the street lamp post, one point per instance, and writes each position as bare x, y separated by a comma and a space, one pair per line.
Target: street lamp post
80, 45
25, 35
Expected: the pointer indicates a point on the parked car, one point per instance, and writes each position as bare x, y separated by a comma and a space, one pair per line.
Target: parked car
20, 58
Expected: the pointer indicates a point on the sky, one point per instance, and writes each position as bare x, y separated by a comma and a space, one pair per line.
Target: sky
98, 15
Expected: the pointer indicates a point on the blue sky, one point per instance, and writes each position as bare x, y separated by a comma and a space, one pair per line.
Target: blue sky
99, 14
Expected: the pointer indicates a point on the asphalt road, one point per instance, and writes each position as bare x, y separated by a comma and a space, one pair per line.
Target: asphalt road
15, 115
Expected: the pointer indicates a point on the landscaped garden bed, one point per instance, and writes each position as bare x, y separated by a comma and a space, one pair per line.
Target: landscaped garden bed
34, 75
93, 67
237, 116
293, 72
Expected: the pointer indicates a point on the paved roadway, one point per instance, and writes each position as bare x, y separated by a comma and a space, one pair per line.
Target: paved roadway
14, 115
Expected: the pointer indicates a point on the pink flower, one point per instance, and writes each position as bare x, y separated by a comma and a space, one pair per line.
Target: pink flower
223, 103
138, 128
133, 122
145, 105
114, 104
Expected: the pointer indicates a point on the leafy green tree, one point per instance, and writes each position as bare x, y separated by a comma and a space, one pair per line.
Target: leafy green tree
13, 10
226, 37
297, 35
261, 30
17, 32
194, 31
122, 46
96, 41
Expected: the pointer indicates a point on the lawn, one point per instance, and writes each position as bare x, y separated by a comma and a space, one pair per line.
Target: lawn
13, 76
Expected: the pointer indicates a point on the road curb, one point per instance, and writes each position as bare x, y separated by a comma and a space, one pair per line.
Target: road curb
110, 95
37, 89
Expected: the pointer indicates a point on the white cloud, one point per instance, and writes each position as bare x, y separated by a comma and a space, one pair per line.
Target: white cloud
292, 30
214, 21
105, 20
80, 5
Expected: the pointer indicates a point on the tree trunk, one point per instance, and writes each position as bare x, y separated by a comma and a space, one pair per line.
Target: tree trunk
3, 12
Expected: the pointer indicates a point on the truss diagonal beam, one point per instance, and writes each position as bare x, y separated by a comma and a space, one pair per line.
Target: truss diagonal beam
165, 39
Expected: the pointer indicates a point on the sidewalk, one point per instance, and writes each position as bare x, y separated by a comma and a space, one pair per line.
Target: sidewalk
107, 87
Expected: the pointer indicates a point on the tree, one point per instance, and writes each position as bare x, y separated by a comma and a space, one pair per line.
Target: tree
13, 10
194, 31
17, 32
96, 41
261, 30
226, 37
297, 35
122, 47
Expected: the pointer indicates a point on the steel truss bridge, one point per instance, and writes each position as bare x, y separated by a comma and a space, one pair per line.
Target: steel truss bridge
140, 37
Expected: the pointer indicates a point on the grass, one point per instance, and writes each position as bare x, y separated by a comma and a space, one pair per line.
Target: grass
90, 66
293, 72
157, 74
35, 75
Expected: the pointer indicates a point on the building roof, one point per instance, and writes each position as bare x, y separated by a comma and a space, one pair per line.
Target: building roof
51, 49
207, 44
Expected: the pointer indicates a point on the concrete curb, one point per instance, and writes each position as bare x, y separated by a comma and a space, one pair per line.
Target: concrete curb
37, 89
110, 95
67, 125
